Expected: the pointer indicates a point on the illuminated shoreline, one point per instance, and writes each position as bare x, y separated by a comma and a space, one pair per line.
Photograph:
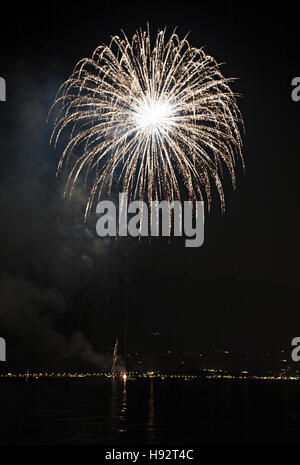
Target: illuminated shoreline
132, 376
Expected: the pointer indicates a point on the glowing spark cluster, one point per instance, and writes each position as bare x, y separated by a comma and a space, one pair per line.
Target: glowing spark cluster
156, 119
154, 115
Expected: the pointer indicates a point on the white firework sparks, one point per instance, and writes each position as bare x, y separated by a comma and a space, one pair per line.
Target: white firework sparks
159, 121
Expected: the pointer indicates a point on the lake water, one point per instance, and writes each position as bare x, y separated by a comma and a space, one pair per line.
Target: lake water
149, 411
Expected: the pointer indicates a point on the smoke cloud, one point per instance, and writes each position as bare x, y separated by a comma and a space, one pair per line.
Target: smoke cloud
58, 279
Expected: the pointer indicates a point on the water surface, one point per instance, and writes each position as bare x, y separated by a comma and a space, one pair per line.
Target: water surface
149, 411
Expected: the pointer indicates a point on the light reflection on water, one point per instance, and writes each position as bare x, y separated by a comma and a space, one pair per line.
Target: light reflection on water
151, 417
119, 408
122, 428
148, 411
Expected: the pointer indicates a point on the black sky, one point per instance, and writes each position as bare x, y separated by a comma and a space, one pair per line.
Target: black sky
256, 240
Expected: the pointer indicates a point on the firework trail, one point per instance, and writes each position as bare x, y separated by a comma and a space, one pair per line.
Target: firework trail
156, 120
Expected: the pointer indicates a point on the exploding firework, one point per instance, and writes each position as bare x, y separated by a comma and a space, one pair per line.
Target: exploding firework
156, 119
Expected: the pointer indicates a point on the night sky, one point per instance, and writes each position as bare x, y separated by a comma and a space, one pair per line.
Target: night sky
63, 289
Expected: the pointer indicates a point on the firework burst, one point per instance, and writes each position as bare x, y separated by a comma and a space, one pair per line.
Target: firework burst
155, 119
